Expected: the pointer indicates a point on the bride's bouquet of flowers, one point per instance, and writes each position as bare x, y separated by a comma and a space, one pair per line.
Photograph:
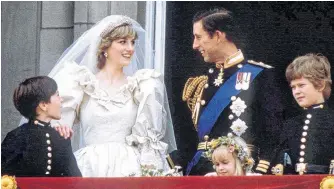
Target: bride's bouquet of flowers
152, 171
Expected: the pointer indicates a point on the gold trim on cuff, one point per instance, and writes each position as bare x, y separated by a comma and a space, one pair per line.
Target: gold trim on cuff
264, 162
170, 161
263, 166
202, 146
261, 169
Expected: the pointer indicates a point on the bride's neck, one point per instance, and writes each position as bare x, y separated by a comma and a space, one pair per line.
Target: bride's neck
112, 74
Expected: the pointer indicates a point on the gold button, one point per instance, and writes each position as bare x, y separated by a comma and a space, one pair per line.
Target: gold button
206, 138
206, 86
202, 102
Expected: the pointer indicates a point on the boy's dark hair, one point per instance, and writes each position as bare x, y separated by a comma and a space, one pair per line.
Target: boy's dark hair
31, 92
222, 20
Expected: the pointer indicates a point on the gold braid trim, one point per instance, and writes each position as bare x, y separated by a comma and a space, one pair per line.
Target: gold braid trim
170, 162
192, 94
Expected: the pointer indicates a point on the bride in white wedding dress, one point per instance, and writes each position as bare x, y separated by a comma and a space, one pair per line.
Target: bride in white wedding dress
119, 112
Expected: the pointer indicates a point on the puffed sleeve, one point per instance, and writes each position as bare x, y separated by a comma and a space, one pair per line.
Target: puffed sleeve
71, 80
150, 125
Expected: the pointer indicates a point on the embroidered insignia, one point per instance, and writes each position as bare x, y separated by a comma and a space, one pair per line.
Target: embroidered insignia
220, 78
218, 82
238, 106
238, 127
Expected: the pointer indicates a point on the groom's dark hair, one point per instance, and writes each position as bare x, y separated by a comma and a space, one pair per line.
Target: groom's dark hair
219, 19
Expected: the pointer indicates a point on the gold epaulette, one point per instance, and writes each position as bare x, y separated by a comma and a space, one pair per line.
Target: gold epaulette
192, 94
259, 64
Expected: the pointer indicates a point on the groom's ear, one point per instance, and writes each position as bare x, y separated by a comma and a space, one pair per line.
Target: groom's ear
221, 36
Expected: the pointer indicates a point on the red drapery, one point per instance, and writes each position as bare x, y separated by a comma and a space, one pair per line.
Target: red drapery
238, 182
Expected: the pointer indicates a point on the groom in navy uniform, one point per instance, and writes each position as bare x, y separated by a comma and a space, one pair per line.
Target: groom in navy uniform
236, 96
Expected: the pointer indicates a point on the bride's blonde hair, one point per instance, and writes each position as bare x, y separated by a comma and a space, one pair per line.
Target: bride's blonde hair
123, 31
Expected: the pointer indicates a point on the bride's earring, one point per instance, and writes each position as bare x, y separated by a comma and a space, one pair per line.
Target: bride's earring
105, 55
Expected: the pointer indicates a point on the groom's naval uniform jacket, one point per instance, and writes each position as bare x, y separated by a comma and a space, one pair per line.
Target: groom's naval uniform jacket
241, 98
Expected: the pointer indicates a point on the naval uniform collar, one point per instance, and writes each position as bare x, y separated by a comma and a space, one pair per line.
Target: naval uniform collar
234, 59
38, 122
231, 61
316, 106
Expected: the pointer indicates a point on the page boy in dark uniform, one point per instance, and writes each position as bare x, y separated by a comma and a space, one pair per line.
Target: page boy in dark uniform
306, 142
237, 95
35, 148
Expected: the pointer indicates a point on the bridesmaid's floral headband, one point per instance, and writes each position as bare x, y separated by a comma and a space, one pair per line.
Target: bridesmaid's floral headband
229, 141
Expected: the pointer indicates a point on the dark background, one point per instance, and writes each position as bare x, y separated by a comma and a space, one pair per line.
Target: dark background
273, 32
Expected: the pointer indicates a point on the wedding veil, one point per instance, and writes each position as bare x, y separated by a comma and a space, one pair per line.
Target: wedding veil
84, 52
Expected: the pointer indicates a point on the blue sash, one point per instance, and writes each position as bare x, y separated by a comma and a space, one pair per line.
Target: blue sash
216, 106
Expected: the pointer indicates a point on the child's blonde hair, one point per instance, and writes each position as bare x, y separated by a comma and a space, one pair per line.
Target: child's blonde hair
231, 144
219, 155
